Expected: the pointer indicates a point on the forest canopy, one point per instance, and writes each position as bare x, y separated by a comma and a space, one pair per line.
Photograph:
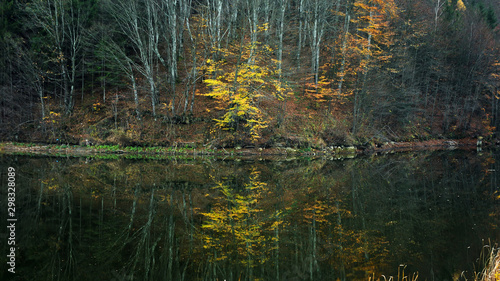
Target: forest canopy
247, 72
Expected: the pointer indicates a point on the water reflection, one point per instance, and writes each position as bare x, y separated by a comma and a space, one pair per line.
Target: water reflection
253, 220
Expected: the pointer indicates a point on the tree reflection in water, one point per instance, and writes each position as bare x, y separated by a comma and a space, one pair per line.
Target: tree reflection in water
255, 220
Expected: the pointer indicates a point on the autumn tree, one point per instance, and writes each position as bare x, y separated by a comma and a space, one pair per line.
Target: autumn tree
374, 36
241, 79
362, 41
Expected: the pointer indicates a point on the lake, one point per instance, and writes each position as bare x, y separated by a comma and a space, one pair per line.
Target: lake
88, 218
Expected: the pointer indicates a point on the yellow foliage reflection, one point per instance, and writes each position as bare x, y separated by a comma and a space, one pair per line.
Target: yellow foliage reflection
235, 227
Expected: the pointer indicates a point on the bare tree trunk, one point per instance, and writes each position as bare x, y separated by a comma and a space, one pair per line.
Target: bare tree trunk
194, 69
64, 77
317, 34
233, 20
301, 23
103, 81
359, 95
83, 78
172, 20
344, 54
214, 16
281, 32
136, 96
253, 6
142, 31
267, 16
437, 12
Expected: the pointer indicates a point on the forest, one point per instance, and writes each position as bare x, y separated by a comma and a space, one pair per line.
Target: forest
249, 73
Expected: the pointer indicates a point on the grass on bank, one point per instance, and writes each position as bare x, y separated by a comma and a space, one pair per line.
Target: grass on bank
491, 270
489, 261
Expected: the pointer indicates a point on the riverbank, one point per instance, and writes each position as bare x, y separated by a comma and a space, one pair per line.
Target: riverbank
51, 149
189, 150
435, 144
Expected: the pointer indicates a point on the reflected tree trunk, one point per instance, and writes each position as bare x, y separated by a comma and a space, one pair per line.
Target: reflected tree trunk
341, 243
144, 251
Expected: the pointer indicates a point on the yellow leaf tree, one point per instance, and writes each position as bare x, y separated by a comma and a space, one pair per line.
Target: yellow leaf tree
239, 81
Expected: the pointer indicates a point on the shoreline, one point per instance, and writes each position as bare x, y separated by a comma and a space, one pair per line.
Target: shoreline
336, 152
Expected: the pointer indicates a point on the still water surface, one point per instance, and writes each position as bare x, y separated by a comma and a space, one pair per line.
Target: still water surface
209, 219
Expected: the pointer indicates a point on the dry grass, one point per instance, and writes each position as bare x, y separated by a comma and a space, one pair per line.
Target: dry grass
491, 271
489, 261
402, 276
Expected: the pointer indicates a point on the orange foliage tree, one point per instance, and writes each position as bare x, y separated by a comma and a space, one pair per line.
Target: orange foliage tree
363, 45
